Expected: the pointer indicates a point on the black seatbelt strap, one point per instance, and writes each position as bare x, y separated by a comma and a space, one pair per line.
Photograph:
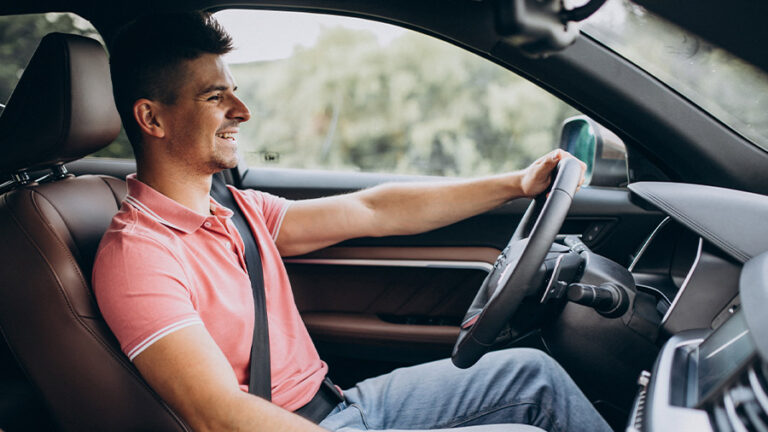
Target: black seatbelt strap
261, 379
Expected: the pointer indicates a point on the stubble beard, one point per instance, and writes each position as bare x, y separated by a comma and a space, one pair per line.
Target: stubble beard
222, 162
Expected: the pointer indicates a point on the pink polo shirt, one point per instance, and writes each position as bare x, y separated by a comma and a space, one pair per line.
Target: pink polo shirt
161, 267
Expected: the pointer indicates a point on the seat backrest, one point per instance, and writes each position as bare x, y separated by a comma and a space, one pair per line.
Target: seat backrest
49, 235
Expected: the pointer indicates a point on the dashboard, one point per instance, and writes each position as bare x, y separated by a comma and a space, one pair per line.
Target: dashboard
707, 266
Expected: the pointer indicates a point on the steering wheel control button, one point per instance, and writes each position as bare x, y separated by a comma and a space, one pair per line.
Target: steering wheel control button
574, 242
554, 291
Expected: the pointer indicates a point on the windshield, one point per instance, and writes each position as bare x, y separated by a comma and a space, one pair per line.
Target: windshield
727, 87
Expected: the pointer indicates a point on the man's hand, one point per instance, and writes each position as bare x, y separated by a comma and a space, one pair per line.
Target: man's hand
538, 176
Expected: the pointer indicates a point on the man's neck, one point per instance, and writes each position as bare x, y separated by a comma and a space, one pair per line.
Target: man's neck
191, 191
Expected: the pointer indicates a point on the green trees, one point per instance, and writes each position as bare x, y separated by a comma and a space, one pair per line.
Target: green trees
19, 36
416, 105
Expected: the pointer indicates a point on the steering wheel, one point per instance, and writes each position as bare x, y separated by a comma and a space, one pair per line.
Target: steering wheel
508, 282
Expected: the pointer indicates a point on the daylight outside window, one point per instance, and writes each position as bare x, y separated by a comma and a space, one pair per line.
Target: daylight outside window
341, 93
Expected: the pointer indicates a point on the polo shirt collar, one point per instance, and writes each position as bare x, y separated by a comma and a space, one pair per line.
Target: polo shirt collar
167, 211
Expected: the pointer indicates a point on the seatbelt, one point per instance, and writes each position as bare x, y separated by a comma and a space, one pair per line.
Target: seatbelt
261, 379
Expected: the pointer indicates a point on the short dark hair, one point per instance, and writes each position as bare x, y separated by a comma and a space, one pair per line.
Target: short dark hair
146, 54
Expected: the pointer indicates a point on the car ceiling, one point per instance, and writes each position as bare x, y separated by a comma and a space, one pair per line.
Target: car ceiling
656, 123
735, 25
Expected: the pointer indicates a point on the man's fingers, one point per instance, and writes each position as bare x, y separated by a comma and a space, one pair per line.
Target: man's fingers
557, 155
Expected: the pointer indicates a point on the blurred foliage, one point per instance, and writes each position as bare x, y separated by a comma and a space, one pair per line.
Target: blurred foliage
119, 149
19, 37
414, 106
418, 105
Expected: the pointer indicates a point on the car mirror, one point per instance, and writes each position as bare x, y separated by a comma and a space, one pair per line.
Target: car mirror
603, 151
541, 27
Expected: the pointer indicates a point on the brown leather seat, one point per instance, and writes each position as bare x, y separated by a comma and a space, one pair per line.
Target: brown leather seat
61, 110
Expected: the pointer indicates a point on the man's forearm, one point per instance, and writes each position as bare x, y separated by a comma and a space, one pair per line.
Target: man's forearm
409, 208
405, 208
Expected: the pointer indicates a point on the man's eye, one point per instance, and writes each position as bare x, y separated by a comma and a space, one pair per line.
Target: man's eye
214, 97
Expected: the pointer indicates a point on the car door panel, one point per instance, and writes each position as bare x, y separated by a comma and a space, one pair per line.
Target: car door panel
407, 298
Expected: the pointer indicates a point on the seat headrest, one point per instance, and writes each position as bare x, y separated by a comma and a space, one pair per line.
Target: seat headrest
62, 109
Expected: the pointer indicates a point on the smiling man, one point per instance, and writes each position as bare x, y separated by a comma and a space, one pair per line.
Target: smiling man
171, 280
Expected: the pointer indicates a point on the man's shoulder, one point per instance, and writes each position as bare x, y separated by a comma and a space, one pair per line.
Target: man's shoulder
251, 197
132, 231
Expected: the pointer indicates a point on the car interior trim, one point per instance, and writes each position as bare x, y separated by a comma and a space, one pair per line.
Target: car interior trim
647, 243
429, 253
466, 265
691, 205
685, 282
661, 414
552, 278
657, 292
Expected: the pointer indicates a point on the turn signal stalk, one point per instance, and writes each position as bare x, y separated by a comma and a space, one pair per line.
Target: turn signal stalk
607, 299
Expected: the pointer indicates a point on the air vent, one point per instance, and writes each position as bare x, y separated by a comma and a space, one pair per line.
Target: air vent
743, 406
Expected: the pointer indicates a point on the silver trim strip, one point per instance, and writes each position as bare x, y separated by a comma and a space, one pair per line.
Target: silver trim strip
468, 265
685, 282
647, 243
656, 290
552, 277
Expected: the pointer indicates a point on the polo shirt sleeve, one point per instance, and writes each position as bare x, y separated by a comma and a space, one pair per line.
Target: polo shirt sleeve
142, 291
274, 209
271, 207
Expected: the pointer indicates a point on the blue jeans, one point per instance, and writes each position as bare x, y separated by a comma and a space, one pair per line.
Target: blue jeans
512, 386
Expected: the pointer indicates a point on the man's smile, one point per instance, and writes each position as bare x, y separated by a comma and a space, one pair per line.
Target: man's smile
230, 136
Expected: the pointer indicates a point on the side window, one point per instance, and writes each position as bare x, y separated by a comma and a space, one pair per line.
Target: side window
328, 92
19, 37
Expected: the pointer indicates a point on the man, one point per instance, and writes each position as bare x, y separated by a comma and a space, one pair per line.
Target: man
171, 281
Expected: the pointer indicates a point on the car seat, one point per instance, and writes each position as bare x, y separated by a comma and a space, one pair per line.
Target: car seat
61, 110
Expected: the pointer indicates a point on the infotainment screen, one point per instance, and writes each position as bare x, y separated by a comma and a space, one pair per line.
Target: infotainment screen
722, 354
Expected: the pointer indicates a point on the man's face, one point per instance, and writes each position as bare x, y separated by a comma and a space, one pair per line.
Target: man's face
201, 126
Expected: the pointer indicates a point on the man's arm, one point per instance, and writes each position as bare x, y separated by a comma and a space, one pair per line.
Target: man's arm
405, 208
189, 371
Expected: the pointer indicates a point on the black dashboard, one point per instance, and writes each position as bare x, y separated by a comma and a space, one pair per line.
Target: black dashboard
707, 266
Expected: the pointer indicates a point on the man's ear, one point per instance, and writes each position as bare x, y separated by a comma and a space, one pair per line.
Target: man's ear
145, 112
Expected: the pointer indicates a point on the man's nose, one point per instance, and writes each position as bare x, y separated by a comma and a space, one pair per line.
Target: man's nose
239, 110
